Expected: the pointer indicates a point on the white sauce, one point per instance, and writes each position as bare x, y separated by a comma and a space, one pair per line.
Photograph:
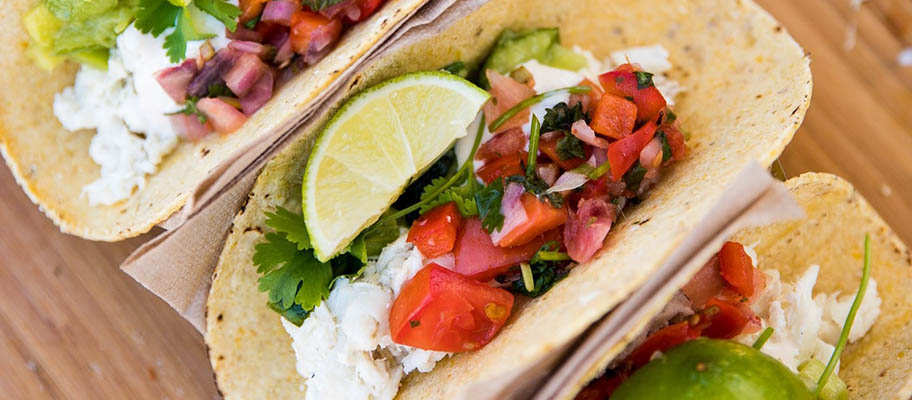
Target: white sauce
344, 348
126, 106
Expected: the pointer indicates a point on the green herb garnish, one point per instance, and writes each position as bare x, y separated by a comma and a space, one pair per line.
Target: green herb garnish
569, 147
488, 199
547, 267
850, 318
457, 68
644, 79
534, 133
531, 101
190, 109
156, 16
761, 340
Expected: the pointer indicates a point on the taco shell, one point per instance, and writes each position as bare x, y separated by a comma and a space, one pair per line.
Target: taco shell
748, 85
879, 366
53, 165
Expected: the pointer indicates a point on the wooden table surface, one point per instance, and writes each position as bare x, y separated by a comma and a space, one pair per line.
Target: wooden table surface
73, 326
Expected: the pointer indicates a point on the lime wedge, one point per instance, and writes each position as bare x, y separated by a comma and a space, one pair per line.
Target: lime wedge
374, 145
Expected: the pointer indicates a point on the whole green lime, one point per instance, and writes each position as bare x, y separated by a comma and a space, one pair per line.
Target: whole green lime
707, 369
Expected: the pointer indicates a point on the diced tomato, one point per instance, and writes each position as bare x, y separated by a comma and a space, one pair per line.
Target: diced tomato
541, 217
250, 9
623, 153
601, 388
622, 82
478, 258
675, 141
737, 269
434, 233
441, 310
367, 8
502, 167
304, 26
508, 142
727, 319
706, 284
590, 99
614, 117
506, 93
663, 340
548, 147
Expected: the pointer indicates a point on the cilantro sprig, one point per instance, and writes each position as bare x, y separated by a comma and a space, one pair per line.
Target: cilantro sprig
157, 16
293, 278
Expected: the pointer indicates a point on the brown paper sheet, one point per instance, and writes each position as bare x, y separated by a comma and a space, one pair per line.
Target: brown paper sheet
754, 198
177, 265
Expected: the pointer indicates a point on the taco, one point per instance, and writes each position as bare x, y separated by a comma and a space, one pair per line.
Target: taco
157, 94
508, 314
769, 310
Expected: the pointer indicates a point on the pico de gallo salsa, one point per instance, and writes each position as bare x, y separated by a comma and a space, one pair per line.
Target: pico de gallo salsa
710, 315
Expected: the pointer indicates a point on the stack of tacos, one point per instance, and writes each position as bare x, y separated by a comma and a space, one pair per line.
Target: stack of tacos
746, 87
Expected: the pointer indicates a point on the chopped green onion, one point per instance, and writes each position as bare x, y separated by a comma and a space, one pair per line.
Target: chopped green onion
847, 326
545, 255
467, 166
534, 133
758, 344
591, 172
534, 100
527, 278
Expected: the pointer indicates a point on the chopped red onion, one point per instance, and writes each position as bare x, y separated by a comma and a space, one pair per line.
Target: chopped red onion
259, 94
189, 126
583, 132
212, 72
279, 12
175, 80
223, 117
244, 74
513, 211
242, 33
568, 181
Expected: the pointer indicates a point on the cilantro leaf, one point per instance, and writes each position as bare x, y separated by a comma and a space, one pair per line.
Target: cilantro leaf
291, 224
561, 117
190, 109
666, 147
463, 196
294, 314
276, 250
488, 201
222, 10
644, 79
634, 176
218, 90
380, 234
176, 41
537, 186
569, 147
154, 16
317, 5
303, 280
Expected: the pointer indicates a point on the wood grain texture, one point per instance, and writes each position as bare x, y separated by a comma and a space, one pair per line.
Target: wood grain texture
73, 327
